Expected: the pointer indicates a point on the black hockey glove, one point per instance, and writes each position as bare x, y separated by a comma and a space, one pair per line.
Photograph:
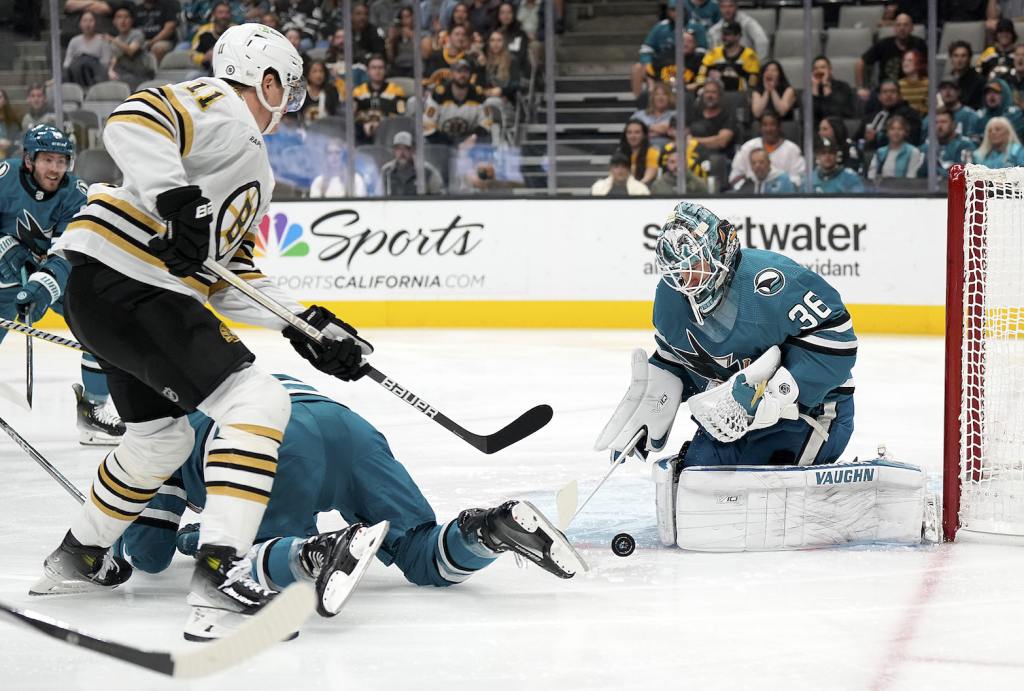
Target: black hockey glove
339, 355
186, 244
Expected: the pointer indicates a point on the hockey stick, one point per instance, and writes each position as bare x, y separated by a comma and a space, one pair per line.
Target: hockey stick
38, 458
565, 498
33, 332
520, 428
275, 622
29, 374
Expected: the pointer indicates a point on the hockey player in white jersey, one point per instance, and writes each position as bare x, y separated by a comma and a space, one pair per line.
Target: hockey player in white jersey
197, 179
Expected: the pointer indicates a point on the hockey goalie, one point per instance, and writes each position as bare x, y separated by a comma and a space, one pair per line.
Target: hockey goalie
761, 350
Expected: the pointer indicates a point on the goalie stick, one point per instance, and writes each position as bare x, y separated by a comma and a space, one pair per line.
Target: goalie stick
274, 623
520, 428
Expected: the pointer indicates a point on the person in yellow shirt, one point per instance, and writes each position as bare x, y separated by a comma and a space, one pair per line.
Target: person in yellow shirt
914, 82
735, 65
643, 158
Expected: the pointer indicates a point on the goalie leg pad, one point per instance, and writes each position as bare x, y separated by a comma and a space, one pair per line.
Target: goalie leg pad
759, 508
666, 481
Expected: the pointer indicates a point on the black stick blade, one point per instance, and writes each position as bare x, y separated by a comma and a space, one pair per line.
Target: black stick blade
520, 428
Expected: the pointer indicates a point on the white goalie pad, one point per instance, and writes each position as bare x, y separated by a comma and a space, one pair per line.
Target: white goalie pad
763, 508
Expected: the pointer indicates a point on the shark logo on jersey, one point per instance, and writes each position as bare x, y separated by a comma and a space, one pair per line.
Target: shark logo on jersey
716, 368
769, 282
32, 234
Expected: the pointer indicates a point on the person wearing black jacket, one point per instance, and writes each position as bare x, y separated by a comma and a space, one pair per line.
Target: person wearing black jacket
872, 129
831, 96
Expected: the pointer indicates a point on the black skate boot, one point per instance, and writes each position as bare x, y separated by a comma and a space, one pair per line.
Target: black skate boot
97, 424
517, 526
223, 594
76, 568
337, 561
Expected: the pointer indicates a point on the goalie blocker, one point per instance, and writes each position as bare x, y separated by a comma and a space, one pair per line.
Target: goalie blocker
765, 508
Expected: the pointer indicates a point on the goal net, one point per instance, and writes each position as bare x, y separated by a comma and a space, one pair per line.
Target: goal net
984, 427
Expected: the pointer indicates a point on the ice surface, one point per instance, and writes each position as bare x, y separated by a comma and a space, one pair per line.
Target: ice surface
868, 618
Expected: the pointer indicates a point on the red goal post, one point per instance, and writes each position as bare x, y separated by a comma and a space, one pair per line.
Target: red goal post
983, 438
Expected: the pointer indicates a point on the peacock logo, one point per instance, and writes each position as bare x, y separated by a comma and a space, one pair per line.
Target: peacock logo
284, 240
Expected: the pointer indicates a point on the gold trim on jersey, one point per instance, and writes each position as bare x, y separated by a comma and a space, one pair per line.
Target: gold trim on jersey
238, 493
130, 210
260, 431
237, 457
116, 237
154, 102
184, 120
121, 490
137, 118
113, 513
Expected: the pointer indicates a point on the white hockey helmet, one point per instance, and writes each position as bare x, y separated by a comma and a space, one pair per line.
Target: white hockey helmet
245, 52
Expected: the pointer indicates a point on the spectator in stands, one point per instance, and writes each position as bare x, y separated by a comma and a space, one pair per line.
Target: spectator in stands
829, 176
515, 38
102, 10
486, 169
206, 37
88, 55
459, 17
668, 181
773, 93
914, 82
130, 64
39, 110
199, 12
954, 148
1016, 76
834, 129
270, 19
500, 78
620, 182
658, 51
704, 12
528, 16
376, 99
399, 174
455, 110
713, 127
830, 96
306, 16
898, 158
753, 36
965, 120
967, 78
764, 178
732, 63
437, 68
157, 20
331, 182
10, 128
1000, 148
996, 61
888, 55
399, 44
367, 39
998, 102
483, 16
873, 127
643, 158
255, 9
294, 37
784, 154
335, 60
658, 115
322, 97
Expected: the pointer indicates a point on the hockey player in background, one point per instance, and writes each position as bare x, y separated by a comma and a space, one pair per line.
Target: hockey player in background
761, 350
197, 179
333, 459
38, 197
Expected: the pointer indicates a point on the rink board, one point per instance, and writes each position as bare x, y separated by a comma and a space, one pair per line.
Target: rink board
586, 263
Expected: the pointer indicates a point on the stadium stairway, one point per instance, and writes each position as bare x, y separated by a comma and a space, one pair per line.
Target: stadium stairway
592, 93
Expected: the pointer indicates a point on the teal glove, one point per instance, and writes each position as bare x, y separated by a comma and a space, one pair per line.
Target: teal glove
36, 296
187, 540
14, 256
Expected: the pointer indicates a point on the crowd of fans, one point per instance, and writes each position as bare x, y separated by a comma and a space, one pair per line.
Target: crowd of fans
741, 104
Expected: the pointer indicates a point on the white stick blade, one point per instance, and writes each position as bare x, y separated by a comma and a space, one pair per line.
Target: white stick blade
565, 500
273, 624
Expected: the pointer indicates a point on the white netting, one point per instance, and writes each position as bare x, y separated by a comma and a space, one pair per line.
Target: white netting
991, 423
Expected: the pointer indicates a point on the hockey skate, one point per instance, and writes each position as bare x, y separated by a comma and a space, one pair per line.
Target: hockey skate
97, 424
337, 561
518, 527
76, 568
223, 594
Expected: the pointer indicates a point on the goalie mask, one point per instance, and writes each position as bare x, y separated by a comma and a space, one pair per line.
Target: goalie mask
696, 254
245, 52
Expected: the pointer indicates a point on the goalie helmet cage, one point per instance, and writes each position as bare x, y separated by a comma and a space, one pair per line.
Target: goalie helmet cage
983, 464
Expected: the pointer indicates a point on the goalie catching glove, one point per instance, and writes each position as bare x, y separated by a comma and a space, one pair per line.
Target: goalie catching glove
756, 397
341, 352
649, 408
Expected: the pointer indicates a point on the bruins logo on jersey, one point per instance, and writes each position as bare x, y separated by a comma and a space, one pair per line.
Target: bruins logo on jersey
237, 215
227, 334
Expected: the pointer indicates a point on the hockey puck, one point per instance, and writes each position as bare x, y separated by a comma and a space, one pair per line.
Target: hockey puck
623, 545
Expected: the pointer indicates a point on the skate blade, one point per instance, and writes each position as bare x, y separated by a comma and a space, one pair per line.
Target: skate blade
562, 552
340, 585
207, 624
91, 438
49, 585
